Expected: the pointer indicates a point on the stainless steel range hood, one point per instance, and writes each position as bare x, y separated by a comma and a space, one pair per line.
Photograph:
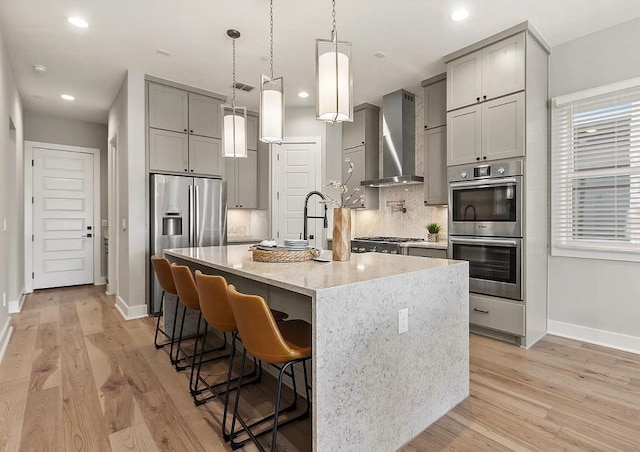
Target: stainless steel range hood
398, 141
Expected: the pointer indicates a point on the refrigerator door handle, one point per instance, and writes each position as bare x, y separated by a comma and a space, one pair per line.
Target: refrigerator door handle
196, 225
191, 225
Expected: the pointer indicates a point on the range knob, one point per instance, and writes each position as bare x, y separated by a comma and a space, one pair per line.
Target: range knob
361, 249
463, 174
501, 170
385, 251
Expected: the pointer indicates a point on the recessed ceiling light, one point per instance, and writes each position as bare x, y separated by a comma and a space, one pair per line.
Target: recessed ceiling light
459, 14
39, 69
78, 22
303, 94
67, 97
380, 55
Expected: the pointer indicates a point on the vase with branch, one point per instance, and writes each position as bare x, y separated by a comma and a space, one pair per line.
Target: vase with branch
341, 248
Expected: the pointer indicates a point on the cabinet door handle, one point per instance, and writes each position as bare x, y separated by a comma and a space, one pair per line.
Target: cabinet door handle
192, 170
484, 158
190, 131
185, 130
478, 99
484, 97
477, 158
480, 311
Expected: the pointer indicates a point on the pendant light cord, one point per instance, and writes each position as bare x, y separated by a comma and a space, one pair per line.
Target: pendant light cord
271, 37
334, 31
233, 102
334, 37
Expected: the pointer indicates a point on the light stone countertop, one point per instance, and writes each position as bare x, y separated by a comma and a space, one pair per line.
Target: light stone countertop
310, 276
238, 240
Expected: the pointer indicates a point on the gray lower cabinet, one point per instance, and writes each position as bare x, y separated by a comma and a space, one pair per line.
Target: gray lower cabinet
168, 108
242, 181
427, 252
435, 166
205, 156
497, 314
168, 151
204, 116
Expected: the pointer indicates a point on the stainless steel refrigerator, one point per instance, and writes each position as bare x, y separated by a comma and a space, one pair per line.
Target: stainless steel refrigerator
185, 212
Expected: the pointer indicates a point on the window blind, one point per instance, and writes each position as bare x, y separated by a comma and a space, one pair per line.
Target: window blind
595, 174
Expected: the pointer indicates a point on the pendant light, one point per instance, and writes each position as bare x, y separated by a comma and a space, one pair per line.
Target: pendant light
334, 101
271, 98
234, 118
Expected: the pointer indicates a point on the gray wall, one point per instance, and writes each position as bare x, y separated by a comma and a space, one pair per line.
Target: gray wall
49, 129
11, 192
588, 292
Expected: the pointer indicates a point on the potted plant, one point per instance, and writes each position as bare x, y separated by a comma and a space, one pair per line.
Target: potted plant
433, 229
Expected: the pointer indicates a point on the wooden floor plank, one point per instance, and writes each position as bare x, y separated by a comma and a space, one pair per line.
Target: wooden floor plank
43, 428
75, 359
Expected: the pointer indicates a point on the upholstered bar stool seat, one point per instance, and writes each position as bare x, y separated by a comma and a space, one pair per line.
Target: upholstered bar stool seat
282, 344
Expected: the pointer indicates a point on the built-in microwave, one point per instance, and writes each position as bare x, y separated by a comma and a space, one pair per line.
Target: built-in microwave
486, 200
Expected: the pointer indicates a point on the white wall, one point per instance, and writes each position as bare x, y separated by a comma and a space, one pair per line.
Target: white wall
590, 293
11, 193
127, 125
50, 129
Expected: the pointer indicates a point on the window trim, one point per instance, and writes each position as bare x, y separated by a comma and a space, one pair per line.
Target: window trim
572, 248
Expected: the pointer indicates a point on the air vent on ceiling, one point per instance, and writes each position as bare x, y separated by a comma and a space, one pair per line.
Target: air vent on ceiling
244, 87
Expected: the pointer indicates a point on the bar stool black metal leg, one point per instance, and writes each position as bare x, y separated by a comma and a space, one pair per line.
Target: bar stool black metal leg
178, 349
237, 402
227, 394
195, 352
155, 339
173, 332
278, 396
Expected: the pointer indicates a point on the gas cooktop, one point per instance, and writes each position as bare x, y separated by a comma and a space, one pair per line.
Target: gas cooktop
389, 239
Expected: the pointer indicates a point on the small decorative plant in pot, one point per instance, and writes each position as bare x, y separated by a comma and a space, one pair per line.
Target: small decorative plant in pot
342, 214
433, 229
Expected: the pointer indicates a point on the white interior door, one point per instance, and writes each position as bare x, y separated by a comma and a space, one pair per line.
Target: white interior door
62, 218
297, 172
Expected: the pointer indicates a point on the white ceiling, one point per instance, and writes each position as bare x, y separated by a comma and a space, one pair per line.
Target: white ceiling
124, 34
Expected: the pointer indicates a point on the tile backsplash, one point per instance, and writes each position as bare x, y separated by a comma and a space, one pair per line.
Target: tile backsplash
250, 224
384, 221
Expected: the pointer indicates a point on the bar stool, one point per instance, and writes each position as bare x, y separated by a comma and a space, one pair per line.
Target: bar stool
188, 293
281, 344
217, 313
162, 270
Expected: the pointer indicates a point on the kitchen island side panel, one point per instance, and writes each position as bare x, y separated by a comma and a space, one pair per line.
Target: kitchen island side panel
389, 387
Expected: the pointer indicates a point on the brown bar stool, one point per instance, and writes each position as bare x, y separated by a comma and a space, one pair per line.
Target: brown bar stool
188, 293
162, 270
217, 313
281, 344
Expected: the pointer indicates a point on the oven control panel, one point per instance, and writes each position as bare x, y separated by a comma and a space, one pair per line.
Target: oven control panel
502, 168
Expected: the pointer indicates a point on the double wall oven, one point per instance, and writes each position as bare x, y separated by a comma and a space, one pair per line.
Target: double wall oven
485, 225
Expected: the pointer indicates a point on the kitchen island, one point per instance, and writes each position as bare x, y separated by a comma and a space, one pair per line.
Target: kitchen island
373, 388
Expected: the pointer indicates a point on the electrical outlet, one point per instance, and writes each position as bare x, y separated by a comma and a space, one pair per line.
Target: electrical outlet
403, 320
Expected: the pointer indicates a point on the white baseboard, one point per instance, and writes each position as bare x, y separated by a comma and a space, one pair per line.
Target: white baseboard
15, 306
100, 281
130, 312
594, 336
5, 337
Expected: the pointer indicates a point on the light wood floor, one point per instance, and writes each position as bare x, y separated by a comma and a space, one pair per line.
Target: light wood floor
76, 377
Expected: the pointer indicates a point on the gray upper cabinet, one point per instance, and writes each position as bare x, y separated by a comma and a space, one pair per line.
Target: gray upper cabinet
252, 132
503, 67
435, 104
360, 143
435, 162
354, 133
494, 71
464, 137
204, 116
503, 126
205, 156
168, 108
168, 151
242, 181
464, 81
263, 175
492, 130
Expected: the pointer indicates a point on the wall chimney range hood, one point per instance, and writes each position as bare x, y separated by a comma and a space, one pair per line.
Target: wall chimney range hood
398, 141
